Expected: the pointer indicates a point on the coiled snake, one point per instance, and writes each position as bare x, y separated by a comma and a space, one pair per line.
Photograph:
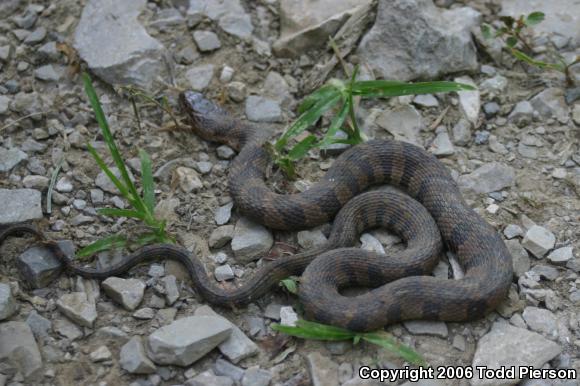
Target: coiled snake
401, 289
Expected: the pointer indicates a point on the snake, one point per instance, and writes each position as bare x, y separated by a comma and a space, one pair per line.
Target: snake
424, 206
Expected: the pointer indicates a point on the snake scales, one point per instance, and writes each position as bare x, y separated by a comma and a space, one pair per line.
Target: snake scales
400, 288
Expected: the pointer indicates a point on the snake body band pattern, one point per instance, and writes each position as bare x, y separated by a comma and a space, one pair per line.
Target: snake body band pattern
401, 288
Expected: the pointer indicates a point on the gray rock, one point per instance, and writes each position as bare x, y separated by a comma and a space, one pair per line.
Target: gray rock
101, 354
546, 272
126, 292
481, 137
427, 327
236, 91
550, 103
255, 376
144, 313
207, 378
18, 349
260, 109
223, 367
203, 167
494, 86
426, 100
187, 55
520, 258
323, 371
237, 346
221, 236
491, 109
250, 240
539, 241
64, 185
225, 152
206, 41
4, 56
36, 36
490, 177
39, 266
119, 49
561, 255
469, 101
403, 122
224, 273
48, 73
35, 182
307, 24
562, 20
371, 243
507, 346
186, 340
199, 77
442, 145
9, 158
311, 238
541, 320
223, 213
67, 329
512, 231
276, 88
133, 358
229, 14
8, 305
522, 114
39, 325
49, 52
414, 39
103, 181
78, 308
188, 179
288, 317
461, 132
4, 104
171, 289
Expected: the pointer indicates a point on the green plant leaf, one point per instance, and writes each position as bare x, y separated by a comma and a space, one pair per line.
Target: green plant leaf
386, 341
115, 241
382, 88
121, 213
290, 285
534, 18
323, 92
486, 31
314, 331
335, 125
301, 148
147, 238
287, 166
508, 21
308, 118
147, 181
110, 141
122, 188
511, 41
525, 58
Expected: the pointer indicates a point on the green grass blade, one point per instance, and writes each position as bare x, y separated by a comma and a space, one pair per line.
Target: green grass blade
122, 188
383, 88
147, 238
147, 181
525, 58
308, 118
301, 148
51, 186
290, 285
310, 333
102, 121
320, 94
386, 341
335, 125
107, 243
315, 326
120, 213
